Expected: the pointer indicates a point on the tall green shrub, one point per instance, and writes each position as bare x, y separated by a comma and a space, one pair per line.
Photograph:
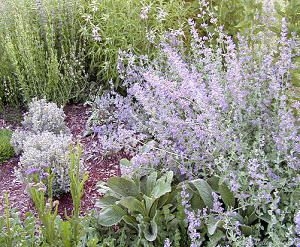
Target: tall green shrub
42, 55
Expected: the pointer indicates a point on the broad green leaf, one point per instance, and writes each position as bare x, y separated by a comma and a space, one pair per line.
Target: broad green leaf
130, 220
237, 217
205, 191
150, 230
123, 186
246, 230
133, 205
197, 202
266, 218
251, 215
226, 195
214, 239
111, 215
106, 201
150, 183
102, 187
162, 185
153, 209
149, 203
213, 224
214, 183
163, 200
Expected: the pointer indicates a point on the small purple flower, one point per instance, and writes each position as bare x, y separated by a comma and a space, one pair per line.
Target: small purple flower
32, 171
167, 243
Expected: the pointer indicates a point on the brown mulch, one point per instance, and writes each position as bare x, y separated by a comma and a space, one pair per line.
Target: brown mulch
99, 167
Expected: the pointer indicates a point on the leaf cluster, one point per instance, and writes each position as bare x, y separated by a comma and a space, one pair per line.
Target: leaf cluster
6, 149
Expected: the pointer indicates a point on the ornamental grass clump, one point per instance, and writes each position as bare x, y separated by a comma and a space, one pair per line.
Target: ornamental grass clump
223, 111
44, 144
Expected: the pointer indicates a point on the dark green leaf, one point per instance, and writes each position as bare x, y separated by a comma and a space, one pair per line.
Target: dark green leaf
150, 183
149, 203
130, 220
246, 230
213, 224
214, 183
226, 195
150, 230
133, 205
197, 202
106, 201
204, 190
214, 239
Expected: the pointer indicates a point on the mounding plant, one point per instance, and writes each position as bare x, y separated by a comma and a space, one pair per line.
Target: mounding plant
6, 149
222, 111
147, 205
44, 144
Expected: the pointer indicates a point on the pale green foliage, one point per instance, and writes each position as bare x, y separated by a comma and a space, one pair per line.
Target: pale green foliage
6, 149
44, 116
41, 116
47, 151
147, 205
41, 54
111, 26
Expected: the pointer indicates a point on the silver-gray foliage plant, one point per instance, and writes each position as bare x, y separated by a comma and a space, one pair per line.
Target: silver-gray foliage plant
43, 142
43, 153
44, 116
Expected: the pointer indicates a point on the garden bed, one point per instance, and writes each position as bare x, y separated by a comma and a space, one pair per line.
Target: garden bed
99, 167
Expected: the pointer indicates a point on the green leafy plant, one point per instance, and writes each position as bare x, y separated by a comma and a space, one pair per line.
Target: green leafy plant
56, 231
42, 55
112, 26
17, 232
6, 149
145, 204
44, 144
222, 211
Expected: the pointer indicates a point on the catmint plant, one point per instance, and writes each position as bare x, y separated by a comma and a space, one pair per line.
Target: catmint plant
223, 110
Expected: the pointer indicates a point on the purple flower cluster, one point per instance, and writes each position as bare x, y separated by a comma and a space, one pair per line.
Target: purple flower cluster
223, 110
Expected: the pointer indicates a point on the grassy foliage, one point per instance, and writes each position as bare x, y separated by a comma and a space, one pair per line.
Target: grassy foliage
42, 55
113, 25
6, 149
